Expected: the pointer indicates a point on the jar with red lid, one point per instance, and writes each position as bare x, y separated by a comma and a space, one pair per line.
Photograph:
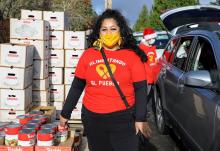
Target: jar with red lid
11, 134
35, 113
34, 126
24, 119
42, 118
50, 126
26, 137
62, 133
45, 137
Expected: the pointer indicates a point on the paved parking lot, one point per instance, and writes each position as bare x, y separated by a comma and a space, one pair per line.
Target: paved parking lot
157, 142
161, 142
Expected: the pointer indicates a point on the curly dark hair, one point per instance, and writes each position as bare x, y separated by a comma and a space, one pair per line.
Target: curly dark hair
129, 41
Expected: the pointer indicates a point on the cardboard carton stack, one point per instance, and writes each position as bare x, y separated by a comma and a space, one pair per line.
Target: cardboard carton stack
31, 29
56, 54
74, 45
56, 61
66, 47
16, 66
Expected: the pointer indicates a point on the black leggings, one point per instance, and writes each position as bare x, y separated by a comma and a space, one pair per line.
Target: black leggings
110, 132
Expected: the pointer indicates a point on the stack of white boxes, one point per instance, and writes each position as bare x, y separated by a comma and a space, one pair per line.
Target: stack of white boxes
56, 61
74, 45
16, 66
54, 48
32, 30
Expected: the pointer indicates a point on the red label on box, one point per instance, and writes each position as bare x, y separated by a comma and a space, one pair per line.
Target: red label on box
53, 148
16, 148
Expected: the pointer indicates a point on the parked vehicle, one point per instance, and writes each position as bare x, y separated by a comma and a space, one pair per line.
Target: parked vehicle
162, 39
138, 36
187, 93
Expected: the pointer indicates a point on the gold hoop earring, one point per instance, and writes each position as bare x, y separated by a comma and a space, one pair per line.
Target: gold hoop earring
120, 41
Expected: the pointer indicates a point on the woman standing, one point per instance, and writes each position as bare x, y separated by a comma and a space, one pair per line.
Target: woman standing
109, 124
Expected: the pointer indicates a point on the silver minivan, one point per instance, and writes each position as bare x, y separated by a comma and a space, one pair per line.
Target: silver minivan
187, 93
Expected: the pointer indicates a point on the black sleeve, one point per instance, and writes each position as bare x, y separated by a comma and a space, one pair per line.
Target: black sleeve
73, 96
140, 89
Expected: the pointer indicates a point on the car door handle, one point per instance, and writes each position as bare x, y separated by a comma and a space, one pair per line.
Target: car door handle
180, 84
180, 88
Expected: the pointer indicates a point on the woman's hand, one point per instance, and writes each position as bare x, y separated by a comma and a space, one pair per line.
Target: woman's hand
144, 128
63, 123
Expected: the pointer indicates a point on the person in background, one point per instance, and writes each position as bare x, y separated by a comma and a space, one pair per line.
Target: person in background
151, 67
108, 123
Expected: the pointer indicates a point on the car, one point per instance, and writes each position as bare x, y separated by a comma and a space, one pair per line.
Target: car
138, 36
187, 91
162, 39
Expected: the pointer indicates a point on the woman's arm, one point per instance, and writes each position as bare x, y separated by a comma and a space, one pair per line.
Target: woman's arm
140, 89
141, 124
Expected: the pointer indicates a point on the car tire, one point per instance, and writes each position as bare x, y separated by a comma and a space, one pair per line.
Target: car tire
159, 114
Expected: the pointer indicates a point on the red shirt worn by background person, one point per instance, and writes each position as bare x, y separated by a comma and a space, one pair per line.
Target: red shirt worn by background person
101, 96
151, 67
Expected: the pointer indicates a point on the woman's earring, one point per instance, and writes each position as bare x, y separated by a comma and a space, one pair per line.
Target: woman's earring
98, 44
120, 41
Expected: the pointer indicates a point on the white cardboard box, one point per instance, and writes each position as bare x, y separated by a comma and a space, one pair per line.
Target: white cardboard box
29, 29
56, 58
39, 84
55, 75
58, 105
31, 14
16, 55
57, 93
72, 57
41, 96
56, 39
74, 40
76, 113
41, 103
15, 99
10, 115
56, 19
69, 75
15, 78
41, 47
67, 88
40, 69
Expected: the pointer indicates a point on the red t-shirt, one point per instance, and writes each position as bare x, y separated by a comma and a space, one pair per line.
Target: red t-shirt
152, 67
101, 96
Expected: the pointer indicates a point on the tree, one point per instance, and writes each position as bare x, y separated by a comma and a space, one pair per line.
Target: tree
143, 20
217, 2
80, 13
12, 8
161, 6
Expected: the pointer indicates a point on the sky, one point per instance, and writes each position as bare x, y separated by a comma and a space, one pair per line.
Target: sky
129, 8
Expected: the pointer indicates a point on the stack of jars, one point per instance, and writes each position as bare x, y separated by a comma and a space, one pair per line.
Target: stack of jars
33, 129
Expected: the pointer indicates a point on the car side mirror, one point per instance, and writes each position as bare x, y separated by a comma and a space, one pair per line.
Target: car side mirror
200, 78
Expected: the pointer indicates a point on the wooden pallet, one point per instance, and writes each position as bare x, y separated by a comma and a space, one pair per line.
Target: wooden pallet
75, 121
50, 111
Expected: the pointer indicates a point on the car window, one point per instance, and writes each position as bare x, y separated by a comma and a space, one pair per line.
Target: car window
169, 49
204, 58
161, 41
182, 52
138, 39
